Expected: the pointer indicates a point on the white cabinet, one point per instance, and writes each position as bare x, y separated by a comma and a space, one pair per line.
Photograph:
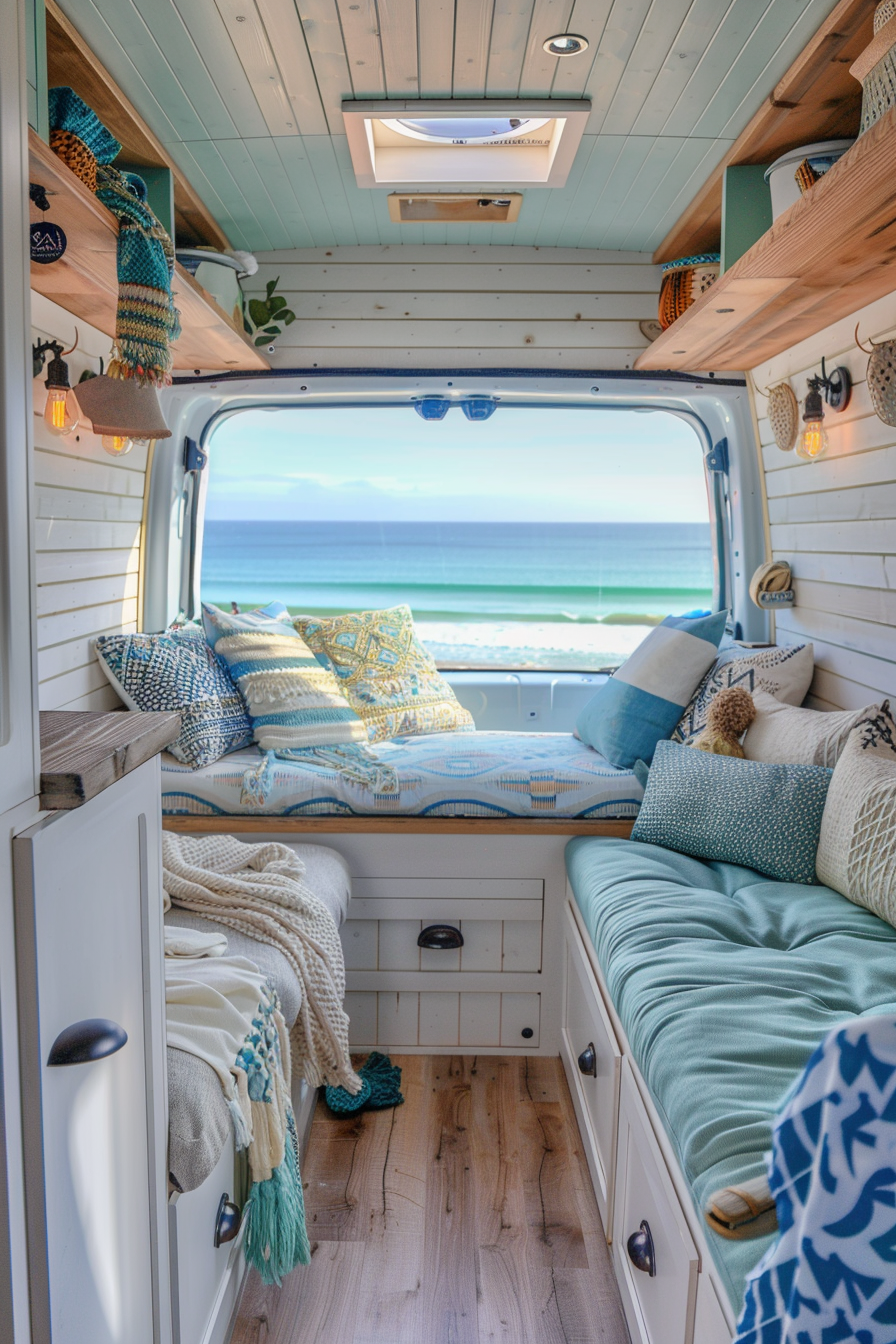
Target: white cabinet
90, 946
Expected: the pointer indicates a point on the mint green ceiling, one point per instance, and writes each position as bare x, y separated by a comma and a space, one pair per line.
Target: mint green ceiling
246, 96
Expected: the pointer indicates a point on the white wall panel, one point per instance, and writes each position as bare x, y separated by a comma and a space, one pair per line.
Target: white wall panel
88, 508
835, 520
491, 307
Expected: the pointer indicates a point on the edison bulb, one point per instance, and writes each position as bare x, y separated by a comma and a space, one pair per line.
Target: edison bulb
813, 442
117, 444
62, 412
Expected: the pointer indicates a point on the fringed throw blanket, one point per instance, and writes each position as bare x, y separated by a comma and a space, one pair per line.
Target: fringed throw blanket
224, 1011
147, 321
258, 890
831, 1276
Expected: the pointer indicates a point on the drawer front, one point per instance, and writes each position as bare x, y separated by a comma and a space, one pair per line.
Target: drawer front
447, 889
495, 938
459, 1020
593, 1066
659, 1309
710, 1324
200, 1270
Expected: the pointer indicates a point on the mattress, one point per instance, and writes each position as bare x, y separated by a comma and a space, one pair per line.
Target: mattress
478, 774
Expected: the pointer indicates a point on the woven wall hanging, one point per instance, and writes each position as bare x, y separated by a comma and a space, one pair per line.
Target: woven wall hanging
881, 378
876, 67
783, 416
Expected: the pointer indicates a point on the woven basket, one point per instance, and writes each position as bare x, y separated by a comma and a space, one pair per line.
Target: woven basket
876, 67
683, 282
881, 379
74, 153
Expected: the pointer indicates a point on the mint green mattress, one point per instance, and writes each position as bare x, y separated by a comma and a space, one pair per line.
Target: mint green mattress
725, 982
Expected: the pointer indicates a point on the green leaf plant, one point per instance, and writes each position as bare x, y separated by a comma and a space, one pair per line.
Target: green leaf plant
265, 318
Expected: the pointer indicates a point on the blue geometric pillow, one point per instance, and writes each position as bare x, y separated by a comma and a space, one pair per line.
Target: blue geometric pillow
177, 670
764, 817
642, 702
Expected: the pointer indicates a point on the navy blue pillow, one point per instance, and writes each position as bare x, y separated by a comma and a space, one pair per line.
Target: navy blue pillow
762, 816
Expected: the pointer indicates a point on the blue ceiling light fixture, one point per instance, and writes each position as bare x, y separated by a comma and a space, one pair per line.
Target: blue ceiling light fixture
479, 408
432, 408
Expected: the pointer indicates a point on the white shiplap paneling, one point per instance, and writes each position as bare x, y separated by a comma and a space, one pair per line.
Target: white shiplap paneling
88, 508
835, 520
492, 307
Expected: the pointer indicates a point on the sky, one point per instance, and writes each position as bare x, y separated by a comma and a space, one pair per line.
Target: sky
524, 464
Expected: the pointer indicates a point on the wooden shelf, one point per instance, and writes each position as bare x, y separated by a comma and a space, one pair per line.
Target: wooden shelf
85, 281
83, 752
827, 256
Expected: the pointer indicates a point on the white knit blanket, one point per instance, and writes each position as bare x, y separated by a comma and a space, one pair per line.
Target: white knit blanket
258, 890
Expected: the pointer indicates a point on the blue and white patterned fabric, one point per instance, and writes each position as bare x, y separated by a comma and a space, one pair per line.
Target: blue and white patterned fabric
761, 816
831, 1275
176, 670
642, 702
439, 775
293, 701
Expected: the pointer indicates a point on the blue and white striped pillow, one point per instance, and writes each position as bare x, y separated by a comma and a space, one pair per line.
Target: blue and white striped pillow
293, 701
643, 700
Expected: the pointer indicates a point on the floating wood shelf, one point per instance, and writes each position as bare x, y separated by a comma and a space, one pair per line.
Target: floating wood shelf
85, 281
827, 256
83, 752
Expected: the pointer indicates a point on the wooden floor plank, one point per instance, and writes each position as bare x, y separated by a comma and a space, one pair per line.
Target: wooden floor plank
465, 1216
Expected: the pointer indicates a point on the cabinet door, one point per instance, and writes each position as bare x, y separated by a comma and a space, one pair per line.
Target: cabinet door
89, 944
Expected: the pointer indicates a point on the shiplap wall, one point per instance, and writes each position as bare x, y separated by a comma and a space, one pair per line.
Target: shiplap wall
461, 306
835, 520
88, 509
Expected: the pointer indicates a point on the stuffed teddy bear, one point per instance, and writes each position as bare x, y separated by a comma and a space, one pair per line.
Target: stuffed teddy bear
729, 716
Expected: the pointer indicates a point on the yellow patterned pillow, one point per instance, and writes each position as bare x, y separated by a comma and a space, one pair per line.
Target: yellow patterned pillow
388, 677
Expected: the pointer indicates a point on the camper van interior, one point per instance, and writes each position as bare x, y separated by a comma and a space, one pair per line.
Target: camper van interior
447, 633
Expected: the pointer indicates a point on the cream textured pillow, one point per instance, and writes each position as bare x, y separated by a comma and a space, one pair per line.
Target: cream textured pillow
789, 736
857, 846
784, 671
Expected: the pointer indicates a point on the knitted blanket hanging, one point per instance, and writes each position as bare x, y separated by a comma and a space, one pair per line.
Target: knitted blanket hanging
147, 321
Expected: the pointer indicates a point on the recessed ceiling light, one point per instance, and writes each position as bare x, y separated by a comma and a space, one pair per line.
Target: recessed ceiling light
565, 44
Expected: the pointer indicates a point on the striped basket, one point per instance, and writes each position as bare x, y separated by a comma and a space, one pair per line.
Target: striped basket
876, 67
683, 282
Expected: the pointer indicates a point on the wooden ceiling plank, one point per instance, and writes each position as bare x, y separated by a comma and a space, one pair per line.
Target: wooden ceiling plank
588, 19
838, 243
657, 38
510, 32
435, 41
326, 46
692, 49
829, 108
254, 45
69, 57
293, 62
472, 40
398, 34
539, 67
363, 49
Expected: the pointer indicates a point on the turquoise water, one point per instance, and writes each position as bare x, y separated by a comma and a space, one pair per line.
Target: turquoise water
558, 595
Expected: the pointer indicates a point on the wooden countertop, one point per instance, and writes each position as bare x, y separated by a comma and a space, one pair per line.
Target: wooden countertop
82, 753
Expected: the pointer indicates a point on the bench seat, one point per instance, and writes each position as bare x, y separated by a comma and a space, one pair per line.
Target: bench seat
724, 982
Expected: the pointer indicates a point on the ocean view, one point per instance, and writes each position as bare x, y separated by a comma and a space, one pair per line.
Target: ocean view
576, 596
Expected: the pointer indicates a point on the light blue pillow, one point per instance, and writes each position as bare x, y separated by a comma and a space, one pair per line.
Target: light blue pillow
765, 817
292, 700
643, 700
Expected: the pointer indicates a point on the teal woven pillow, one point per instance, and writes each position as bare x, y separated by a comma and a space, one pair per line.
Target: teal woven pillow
761, 816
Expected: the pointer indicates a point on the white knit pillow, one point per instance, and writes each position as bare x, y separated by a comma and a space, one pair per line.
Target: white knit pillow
788, 736
784, 671
857, 845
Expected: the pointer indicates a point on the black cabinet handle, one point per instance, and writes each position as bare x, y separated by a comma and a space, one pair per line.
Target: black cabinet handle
440, 937
588, 1060
640, 1249
84, 1042
228, 1221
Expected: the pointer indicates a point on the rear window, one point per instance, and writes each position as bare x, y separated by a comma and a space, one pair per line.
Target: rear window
542, 537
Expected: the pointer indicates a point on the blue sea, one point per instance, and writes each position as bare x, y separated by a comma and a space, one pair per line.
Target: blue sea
575, 596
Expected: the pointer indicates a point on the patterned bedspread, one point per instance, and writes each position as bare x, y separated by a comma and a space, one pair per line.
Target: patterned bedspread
439, 775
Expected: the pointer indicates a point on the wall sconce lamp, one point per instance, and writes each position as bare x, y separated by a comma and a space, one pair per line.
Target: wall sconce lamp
835, 389
62, 412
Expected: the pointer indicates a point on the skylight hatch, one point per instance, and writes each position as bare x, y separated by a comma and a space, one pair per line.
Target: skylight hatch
521, 143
